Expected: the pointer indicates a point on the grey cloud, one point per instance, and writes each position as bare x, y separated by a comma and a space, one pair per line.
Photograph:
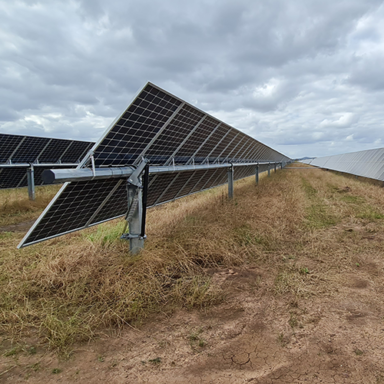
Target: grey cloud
296, 75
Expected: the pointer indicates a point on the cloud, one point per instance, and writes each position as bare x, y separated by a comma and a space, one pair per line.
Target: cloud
303, 77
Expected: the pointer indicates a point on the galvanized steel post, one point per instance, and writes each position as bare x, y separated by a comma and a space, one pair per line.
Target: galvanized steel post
231, 171
136, 241
275, 167
31, 183
269, 169
134, 217
257, 174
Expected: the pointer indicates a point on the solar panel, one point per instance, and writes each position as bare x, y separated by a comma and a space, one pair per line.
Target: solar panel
8, 145
18, 152
30, 149
167, 131
369, 163
163, 128
13, 178
75, 151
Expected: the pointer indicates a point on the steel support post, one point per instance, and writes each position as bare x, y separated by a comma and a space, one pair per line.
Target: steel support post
257, 174
269, 169
231, 171
137, 206
275, 167
31, 183
134, 217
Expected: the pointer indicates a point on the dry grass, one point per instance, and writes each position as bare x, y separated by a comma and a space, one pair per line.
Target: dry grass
15, 207
302, 227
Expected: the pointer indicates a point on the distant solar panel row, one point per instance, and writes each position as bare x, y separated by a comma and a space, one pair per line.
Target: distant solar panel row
29, 149
18, 150
368, 163
165, 130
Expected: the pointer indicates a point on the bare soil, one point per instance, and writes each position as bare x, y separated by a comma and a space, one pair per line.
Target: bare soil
252, 337
315, 316
19, 227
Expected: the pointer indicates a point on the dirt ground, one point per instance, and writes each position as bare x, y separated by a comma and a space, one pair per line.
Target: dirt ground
252, 337
330, 330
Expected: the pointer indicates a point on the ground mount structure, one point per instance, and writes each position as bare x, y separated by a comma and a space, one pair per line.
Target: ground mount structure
159, 149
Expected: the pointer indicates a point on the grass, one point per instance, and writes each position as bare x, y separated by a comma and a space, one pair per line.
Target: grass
72, 288
15, 207
318, 213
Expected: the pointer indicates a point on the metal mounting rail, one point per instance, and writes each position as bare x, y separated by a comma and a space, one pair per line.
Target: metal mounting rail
63, 175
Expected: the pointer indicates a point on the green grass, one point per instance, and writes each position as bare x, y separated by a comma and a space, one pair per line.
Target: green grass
245, 236
370, 214
318, 214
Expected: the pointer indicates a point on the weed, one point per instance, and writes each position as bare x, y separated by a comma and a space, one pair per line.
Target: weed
155, 361
12, 352
195, 339
293, 320
31, 350
56, 371
101, 359
114, 363
282, 340
163, 344
304, 270
358, 352
35, 367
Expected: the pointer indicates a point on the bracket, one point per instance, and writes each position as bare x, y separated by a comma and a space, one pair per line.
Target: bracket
134, 179
128, 236
136, 193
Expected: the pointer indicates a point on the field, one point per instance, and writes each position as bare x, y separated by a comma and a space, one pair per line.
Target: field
283, 284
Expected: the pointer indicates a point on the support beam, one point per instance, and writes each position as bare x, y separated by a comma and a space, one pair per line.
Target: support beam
31, 183
275, 167
55, 176
231, 175
269, 169
257, 174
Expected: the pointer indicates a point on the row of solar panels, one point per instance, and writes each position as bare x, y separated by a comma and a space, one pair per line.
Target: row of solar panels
166, 131
369, 163
16, 177
17, 152
29, 149
87, 203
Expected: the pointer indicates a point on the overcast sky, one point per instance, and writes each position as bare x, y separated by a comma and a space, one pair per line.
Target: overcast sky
304, 77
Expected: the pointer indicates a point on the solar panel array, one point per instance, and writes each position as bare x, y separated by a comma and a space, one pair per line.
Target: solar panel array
165, 129
22, 150
168, 131
368, 163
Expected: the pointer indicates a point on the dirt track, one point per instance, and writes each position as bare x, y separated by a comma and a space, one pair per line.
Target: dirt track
252, 337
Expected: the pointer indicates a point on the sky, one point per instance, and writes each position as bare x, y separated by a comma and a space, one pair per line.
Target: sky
305, 77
